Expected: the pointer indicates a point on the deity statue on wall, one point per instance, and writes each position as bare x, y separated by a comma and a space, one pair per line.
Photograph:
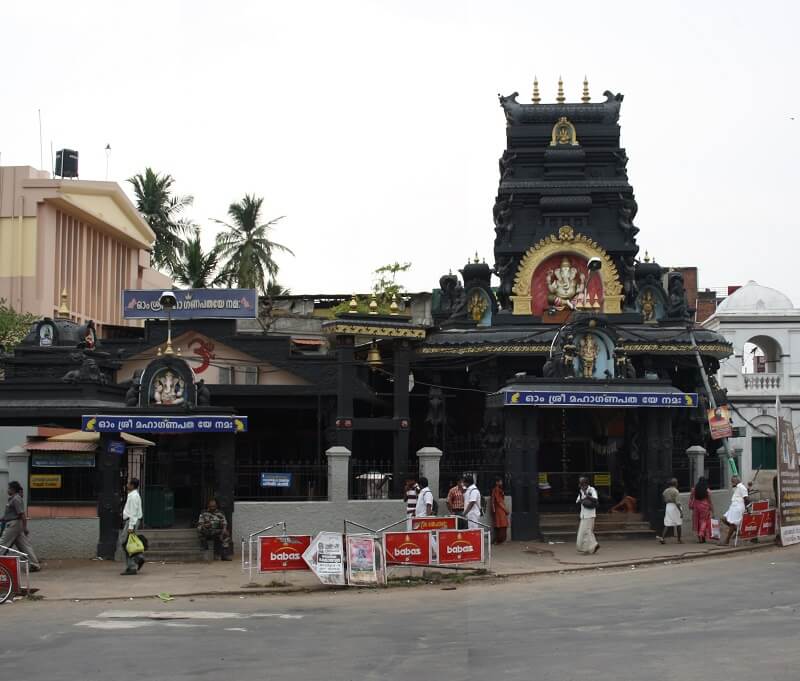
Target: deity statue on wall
169, 389
566, 285
588, 353
648, 306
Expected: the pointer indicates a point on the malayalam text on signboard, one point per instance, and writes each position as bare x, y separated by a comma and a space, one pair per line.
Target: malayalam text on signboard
434, 523
788, 516
164, 424
194, 303
283, 480
570, 398
45, 481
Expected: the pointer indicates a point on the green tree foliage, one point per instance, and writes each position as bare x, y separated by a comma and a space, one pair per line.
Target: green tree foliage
386, 284
194, 268
161, 209
246, 247
14, 326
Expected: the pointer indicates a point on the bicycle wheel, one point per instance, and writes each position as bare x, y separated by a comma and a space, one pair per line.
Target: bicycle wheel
6, 585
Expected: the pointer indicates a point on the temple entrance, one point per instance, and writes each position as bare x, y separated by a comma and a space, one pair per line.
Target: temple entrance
575, 442
178, 481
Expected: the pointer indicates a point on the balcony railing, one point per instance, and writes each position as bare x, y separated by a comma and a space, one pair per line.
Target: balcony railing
762, 382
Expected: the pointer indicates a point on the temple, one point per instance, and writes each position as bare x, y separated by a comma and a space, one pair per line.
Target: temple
579, 358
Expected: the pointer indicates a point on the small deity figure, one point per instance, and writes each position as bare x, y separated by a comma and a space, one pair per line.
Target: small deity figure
648, 306
169, 389
588, 354
566, 285
477, 306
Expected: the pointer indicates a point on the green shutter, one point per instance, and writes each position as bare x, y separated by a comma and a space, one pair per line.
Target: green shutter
764, 453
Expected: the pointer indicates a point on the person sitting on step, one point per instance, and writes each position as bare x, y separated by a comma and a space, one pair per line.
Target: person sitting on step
213, 526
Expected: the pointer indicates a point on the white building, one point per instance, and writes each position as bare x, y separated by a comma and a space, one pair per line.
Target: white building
764, 327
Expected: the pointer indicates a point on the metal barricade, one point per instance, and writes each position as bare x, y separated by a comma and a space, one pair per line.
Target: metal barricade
20, 567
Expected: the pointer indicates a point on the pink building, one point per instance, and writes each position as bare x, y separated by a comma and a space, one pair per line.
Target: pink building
80, 236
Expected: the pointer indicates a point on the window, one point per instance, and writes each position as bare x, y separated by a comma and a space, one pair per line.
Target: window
225, 375
250, 375
764, 453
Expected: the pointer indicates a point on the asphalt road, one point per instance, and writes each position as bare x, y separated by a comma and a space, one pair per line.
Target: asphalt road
729, 618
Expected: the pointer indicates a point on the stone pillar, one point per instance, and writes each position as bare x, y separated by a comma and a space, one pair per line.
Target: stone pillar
697, 463
402, 353
338, 473
429, 467
522, 470
17, 459
225, 473
109, 497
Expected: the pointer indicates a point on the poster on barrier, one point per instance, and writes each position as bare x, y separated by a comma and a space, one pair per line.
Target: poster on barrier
12, 564
460, 546
435, 523
361, 561
767, 523
325, 557
408, 548
751, 524
282, 553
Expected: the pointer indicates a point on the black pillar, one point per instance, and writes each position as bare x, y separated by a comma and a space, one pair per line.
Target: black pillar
657, 468
522, 470
225, 472
345, 354
109, 498
401, 416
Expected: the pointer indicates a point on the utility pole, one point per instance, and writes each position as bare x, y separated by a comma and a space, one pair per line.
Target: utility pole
712, 401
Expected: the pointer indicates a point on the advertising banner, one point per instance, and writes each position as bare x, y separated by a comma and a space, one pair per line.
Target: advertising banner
767, 523
460, 546
788, 516
164, 424
759, 506
361, 561
325, 557
408, 548
276, 554
12, 564
719, 422
435, 523
193, 303
751, 525
570, 398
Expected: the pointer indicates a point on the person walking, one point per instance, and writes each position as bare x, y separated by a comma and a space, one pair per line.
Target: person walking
673, 513
733, 516
587, 501
15, 526
702, 510
499, 512
131, 516
424, 506
410, 497
212, 526
472, 503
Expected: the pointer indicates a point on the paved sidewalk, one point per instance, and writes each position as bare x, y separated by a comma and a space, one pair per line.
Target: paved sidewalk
95, 579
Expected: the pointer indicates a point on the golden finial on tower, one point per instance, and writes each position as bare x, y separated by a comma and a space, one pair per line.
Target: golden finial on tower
394, 308
63, 309
586, 97
353, 306
477, 259
560, 98
646, 256
373, 305
536, 98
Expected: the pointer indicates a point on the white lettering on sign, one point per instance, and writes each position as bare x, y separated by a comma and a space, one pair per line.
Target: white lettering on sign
415, 551
285, 555
459, 549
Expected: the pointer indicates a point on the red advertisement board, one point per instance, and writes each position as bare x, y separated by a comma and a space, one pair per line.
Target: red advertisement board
12, 564
460, 546
408, 548
283, 553
751, 524
760, 505
434, 523
767, 523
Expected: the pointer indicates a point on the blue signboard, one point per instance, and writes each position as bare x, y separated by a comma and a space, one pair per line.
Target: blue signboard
276, 480
569, 398
116, 447
193, 303
164, 424
62, 459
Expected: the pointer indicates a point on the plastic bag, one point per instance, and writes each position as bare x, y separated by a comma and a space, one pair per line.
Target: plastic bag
134, 545
714, 528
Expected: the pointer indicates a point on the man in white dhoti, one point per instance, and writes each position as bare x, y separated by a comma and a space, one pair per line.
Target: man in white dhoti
673, 513
587, 502
733, 516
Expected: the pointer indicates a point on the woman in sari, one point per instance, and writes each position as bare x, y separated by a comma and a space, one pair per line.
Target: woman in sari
702, 510
499, 512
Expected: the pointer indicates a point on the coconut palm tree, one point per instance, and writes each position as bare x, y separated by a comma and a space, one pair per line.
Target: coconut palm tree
194, 268
161, 210
246, 247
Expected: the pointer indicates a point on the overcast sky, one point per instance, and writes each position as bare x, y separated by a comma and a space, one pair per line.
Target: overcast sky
375, 127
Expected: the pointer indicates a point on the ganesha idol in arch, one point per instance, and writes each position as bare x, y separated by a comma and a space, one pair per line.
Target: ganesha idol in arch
566, 286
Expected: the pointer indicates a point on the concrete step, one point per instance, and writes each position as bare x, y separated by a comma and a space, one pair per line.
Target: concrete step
568, 536
178, 555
